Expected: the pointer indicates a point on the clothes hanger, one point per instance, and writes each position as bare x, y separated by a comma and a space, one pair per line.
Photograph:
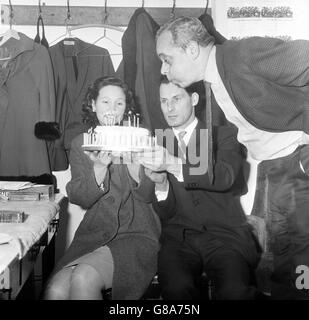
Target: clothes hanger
96, 25
37, 38
69, 28
105, 26
172, 14
11, 33
67, 36
206, 9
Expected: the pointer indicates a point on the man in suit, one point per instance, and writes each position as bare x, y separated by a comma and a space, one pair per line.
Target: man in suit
262, 86
203, 225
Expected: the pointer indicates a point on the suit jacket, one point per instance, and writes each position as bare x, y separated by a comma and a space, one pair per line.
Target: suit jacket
27, 97
268, 81
142, 67
72, 78
121, 217
195, 204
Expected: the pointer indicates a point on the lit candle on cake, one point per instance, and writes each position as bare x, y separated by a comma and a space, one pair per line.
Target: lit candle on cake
137, 120
129, 118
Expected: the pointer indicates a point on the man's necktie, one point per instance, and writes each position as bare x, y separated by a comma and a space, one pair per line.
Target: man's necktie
182, 144
209, 134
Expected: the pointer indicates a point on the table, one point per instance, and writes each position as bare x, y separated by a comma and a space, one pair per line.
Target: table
33, 240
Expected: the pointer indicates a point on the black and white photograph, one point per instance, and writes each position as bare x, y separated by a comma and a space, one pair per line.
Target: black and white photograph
153, 153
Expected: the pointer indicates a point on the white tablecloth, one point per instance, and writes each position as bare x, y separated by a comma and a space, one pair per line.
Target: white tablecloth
24, 235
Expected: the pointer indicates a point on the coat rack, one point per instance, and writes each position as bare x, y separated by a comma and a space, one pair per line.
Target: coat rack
117, 16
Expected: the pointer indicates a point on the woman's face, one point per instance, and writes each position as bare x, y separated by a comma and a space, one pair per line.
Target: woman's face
110, 105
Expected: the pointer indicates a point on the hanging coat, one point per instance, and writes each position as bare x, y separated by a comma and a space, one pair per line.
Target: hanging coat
142, 67
76, 65
208, 23
26, 98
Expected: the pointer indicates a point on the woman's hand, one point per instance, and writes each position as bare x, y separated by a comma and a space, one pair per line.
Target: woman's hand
101, 161
100, 158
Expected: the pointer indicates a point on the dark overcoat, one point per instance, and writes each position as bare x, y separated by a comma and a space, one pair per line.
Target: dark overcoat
120, 217
27, 97
142, 67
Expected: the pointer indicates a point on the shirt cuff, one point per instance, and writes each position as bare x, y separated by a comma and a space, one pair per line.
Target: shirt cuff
162, 195
179, 176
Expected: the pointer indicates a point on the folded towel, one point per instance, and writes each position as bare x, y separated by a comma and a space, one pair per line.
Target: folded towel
38, 217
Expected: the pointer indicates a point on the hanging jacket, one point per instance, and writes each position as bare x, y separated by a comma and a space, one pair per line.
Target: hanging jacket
142, 67
26, 99
73, 75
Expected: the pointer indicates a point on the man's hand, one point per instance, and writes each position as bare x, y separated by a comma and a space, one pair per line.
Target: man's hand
159, 159
159, 178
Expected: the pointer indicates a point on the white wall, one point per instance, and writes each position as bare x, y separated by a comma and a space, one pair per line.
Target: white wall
296, 27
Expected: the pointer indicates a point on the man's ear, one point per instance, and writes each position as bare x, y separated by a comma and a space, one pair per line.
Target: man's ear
193, 49
195, 98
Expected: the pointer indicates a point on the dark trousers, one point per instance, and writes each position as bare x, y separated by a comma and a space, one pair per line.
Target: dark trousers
181, 264
282, 199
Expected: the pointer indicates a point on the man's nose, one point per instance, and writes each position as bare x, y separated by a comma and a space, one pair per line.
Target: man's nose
164, 69
170, 106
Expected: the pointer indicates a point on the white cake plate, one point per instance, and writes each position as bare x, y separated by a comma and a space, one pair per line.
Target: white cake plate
114, 149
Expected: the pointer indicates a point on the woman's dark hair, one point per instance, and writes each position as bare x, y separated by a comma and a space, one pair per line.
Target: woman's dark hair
89, 116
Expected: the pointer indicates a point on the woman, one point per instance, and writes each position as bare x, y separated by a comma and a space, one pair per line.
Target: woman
116, 244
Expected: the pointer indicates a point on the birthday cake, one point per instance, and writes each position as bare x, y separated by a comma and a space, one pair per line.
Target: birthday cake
118, 138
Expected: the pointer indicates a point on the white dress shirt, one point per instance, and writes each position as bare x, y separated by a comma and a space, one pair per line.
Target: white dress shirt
162, 195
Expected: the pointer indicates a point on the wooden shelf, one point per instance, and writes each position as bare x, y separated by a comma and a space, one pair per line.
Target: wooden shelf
117, 16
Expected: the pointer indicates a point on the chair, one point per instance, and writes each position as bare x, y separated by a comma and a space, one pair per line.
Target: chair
265, 267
